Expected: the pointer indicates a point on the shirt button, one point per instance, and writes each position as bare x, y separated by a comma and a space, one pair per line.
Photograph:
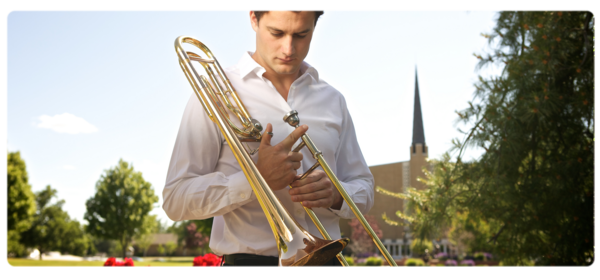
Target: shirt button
243, 195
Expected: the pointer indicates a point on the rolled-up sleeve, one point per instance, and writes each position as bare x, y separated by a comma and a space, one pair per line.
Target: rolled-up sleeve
352, 170
193, 189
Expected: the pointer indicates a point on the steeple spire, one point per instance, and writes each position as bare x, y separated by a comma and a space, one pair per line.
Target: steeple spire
418, 132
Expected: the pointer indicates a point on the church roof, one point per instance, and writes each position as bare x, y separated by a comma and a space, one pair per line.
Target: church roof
418, 131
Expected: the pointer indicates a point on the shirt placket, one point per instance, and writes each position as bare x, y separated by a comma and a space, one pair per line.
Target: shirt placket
295, 89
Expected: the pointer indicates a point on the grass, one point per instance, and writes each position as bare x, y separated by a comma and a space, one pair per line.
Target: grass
150, 261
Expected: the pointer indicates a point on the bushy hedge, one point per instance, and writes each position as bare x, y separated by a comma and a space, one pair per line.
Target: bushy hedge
374, 261
349, 260
414, 262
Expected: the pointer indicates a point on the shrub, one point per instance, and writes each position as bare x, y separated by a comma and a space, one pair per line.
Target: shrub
467, 263
374, 261
450, 263
350, 261
482, 256
525, 262
414, 262
441, 256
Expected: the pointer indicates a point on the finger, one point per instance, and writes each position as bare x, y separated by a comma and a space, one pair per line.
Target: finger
325, 203
295, 156
322, 194
309, 188
295, 165
289, 141
267, 136
314, 176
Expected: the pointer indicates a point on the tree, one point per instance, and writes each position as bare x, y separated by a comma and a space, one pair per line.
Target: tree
594, 150
20, 200
192, 237
170, 247
122, 201
53, 229
161, 249
145, 235
534, 184
418, 247
361, 242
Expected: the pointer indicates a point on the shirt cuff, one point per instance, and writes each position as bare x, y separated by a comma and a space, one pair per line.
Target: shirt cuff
239, 189
345, 212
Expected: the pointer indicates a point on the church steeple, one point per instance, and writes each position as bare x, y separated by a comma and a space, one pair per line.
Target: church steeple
418, 131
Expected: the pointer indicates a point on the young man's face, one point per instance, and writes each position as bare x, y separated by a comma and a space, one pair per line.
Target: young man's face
283, 39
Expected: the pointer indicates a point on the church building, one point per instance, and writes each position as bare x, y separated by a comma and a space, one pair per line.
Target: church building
398, 177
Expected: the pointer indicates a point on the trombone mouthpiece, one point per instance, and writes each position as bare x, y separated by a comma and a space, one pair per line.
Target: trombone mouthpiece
292, 118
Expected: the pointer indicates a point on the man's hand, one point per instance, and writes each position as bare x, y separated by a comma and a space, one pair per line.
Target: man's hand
316, 190
278, 164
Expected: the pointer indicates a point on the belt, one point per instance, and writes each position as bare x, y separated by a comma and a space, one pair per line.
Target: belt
257, 260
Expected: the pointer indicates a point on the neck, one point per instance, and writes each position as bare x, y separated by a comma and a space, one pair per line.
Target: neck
281, 82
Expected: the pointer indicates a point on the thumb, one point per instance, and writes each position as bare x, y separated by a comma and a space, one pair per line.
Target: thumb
289, 141
266, 137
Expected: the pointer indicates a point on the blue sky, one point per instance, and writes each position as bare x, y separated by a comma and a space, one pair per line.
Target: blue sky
113, 79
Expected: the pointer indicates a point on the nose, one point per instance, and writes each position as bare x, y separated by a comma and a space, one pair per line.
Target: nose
287, 46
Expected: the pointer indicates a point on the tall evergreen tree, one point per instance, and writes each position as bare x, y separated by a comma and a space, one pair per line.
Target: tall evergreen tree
20, 200
533, 186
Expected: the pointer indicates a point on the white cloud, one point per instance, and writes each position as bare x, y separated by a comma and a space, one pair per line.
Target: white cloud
66, 123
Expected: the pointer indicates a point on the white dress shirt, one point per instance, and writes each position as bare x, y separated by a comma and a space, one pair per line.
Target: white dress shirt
204, 179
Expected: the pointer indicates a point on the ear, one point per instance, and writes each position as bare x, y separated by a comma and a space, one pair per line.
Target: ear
253, 21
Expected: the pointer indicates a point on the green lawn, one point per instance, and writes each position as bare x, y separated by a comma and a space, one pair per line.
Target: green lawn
151, 261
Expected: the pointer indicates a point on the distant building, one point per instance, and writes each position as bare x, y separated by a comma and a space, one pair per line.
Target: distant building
158, 239
397, 177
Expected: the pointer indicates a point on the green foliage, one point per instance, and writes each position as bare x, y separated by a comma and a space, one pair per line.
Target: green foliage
161, 249
20, 200
530, 196
418, 246
521, 264
119, 208
170, 247
374, 261
203, 227
414, 262
14, 246
145, 234
350, 260
52, 228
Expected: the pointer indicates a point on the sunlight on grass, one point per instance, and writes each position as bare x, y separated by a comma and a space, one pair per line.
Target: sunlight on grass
175, 261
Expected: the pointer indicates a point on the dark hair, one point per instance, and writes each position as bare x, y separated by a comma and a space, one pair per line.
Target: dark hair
259, 14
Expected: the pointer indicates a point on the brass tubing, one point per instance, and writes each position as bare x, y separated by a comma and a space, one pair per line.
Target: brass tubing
324, 233
309, 171
299, 147
357, 213
313, 216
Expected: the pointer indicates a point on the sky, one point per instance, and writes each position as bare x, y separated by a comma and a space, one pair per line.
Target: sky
86, 89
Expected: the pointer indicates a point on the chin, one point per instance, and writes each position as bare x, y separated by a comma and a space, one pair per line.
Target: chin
287, 70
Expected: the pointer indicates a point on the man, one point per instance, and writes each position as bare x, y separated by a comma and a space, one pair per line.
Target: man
204, 179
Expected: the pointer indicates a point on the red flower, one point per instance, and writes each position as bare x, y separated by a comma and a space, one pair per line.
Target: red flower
119, 265
199, 261
207, 260
110, 262
128, 262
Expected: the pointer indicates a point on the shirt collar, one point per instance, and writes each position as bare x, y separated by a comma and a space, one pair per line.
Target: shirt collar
248, 65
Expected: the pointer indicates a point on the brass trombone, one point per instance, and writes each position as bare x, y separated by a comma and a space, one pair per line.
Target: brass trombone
295, 244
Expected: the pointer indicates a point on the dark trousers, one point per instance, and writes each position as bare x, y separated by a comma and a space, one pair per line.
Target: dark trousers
256, 260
